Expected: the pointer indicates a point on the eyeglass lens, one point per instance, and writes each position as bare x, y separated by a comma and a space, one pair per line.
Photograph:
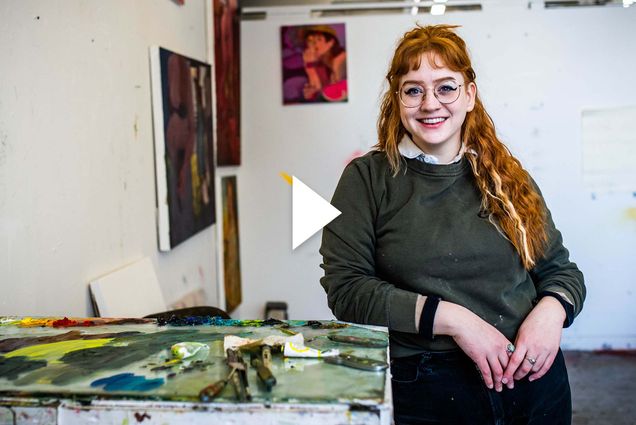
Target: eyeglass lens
412, 95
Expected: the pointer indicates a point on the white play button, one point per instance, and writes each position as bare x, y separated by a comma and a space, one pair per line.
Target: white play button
310, 212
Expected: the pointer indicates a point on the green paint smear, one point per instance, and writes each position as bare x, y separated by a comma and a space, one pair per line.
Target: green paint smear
81, 363
10, 368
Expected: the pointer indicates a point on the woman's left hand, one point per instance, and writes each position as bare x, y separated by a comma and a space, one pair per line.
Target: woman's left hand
537, 342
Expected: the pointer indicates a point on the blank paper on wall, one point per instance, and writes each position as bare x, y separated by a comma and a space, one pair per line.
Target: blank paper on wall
609, 149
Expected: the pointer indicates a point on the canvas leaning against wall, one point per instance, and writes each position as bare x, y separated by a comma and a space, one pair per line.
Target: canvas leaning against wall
228, 84
184, 154
231, 255
314, 61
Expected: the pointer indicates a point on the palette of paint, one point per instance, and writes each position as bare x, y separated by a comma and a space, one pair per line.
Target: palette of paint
144, 359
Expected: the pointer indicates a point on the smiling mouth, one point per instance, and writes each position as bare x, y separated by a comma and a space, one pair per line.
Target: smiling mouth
432, 120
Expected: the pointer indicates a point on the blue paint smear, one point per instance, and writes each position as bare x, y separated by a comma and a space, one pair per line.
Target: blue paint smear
127, 382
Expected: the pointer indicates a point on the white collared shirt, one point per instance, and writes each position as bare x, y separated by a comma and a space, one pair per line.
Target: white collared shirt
410, 150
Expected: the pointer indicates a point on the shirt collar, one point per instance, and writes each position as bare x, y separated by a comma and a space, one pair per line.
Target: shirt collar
410, 150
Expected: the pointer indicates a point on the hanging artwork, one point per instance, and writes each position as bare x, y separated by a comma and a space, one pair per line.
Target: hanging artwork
314, 63
184, 154
228, 84
231, 255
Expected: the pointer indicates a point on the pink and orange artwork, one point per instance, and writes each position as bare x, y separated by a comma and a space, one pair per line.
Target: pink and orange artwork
314, 62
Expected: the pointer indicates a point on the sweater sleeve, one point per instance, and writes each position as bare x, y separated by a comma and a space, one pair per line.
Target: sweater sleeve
555, 273
354, 292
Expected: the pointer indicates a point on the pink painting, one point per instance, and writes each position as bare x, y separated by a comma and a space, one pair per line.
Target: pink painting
314, 60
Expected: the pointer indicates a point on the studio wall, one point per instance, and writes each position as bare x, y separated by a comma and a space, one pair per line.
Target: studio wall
77, 185
536, 69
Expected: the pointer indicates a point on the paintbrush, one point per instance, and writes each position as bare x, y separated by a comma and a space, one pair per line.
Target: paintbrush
212, 391
260, 354
266, 352
361, 363
356, 340
239, 379
264, 373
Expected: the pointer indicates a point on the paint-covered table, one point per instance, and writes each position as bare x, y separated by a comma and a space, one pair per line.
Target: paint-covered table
92, 370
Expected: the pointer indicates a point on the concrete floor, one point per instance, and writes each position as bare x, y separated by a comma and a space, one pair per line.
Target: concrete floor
603, 387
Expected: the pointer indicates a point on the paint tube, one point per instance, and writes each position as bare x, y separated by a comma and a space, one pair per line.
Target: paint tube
235, 342
292, 350
187, 350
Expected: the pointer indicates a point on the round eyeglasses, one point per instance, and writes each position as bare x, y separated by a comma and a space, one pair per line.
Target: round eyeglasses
412, 95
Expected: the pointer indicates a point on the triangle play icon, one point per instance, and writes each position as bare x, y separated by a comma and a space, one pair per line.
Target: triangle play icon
310, 212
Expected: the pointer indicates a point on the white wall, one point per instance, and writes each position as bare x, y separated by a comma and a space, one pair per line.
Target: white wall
77, 185
77, 193
537, 69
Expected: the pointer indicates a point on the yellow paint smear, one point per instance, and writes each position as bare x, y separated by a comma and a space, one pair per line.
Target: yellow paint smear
286, 177
29, 322
630, 213
8, 321
56, 350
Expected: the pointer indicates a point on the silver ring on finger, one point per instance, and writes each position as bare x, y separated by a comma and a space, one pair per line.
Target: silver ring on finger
531, 360
510, 348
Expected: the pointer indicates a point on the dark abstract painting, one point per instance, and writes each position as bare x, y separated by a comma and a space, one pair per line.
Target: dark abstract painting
228, 84
231, 255
182, 103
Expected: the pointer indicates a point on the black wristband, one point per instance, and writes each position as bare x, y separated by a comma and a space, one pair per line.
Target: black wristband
569, 308
428, 316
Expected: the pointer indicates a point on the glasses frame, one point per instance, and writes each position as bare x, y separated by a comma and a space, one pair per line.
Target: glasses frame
459, 92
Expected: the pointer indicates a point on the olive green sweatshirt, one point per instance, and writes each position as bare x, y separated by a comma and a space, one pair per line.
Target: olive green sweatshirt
421, 232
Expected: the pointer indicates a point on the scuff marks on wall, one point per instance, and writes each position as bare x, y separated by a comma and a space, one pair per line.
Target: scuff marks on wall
630, 214
4, 147
136, 126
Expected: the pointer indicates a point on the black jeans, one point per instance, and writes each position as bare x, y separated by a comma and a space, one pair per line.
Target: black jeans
447, 388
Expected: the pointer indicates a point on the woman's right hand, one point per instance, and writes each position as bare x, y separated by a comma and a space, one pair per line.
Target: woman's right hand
310, 55
482, 342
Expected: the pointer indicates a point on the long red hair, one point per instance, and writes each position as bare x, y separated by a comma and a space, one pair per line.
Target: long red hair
507, 192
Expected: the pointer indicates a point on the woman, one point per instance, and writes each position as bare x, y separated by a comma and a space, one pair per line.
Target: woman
446, 239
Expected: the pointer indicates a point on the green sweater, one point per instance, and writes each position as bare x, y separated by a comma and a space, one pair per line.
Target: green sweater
421, 232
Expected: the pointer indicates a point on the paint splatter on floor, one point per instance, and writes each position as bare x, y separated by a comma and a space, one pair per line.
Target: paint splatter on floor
141, 416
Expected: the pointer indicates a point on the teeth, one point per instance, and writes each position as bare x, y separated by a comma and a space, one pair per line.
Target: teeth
432, 120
